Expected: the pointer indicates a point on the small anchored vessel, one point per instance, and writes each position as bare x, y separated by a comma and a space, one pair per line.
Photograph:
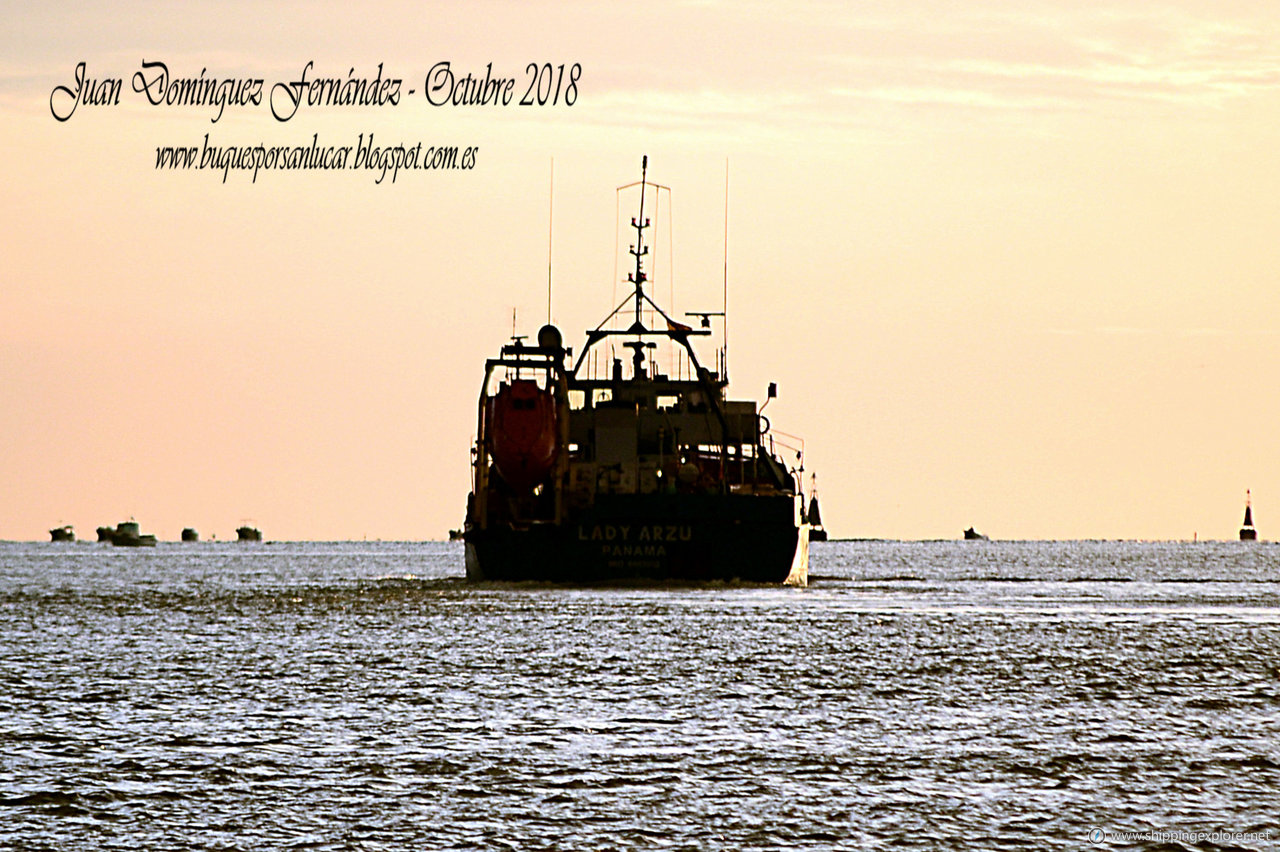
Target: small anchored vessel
1247, 532
248, 533
584, 472
814, 516
129, 534
973, 535
63, 533
189, 534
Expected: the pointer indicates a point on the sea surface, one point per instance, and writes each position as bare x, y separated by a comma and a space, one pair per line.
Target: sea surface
917, 695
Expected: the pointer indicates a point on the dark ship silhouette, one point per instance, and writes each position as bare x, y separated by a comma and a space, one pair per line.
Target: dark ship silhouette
973, 535
127, 534
1247, 532
813, 516
63, 533
587, 475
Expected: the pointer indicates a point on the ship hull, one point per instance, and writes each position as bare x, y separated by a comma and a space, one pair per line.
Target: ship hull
134, 541
660, 537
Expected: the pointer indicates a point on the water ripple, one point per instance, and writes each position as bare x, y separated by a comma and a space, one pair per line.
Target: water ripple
919, 696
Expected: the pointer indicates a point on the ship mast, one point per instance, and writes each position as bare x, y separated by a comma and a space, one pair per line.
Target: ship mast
639, 250
675, 331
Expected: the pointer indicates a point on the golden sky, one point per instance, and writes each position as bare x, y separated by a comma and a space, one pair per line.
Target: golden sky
1011, 264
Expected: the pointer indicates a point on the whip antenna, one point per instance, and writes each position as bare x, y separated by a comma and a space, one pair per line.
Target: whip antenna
551, 192
724, 349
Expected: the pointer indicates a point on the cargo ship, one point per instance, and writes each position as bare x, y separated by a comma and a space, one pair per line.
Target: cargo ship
590, 470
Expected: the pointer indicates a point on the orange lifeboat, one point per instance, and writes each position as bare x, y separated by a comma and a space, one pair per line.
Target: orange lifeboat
522, 429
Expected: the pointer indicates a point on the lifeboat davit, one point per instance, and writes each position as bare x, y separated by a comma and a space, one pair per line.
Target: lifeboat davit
522, 428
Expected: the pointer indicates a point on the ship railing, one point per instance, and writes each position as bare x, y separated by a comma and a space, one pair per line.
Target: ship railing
785, 440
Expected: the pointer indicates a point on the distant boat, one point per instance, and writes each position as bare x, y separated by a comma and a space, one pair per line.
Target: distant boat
1247, 532
814, 516
248, 533
128, 534
65, 533
105, 534
455, 535
190, 534
973, 535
